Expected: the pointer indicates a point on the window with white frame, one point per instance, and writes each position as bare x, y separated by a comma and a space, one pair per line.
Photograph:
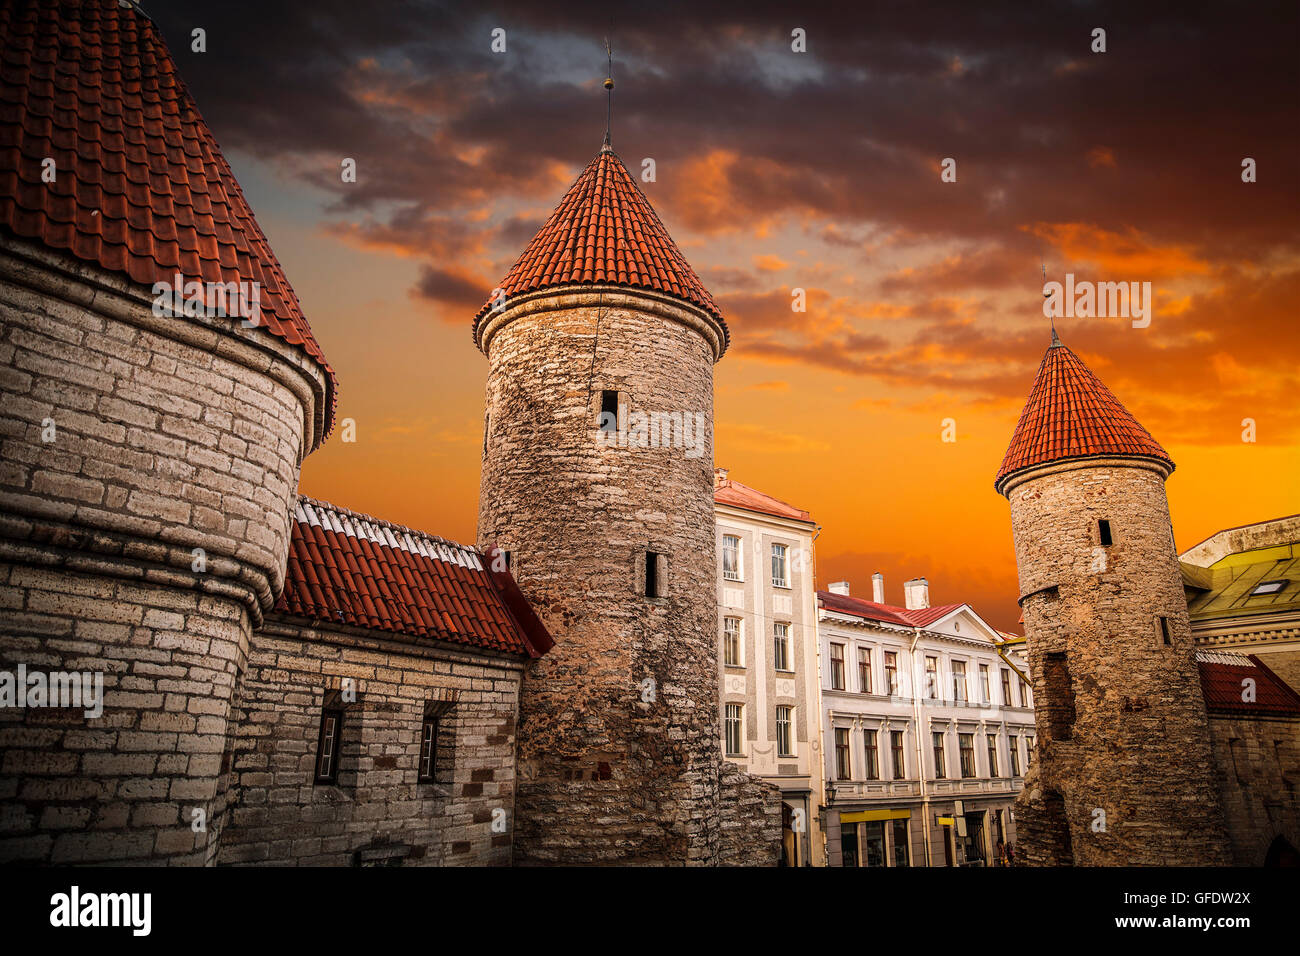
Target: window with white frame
959, 681
842, 766
731, 570
837, 667
734, 729
984, 685
993, 754
784, 731
931, 677
1013, 747
897, 753
891, 673
731, 643
966, 751
940, 764
781, 657
864, 670
871, 748
780, 566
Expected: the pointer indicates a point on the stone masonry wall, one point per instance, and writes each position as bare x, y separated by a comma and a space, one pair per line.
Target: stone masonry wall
750, 824
1258, 760
1138, 749
377, 812
619, 759
147, 469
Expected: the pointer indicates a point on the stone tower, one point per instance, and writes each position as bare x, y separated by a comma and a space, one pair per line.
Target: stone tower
1123, 772
150, 453
598, 481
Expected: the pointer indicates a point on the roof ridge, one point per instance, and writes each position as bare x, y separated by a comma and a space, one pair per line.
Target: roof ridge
389, 525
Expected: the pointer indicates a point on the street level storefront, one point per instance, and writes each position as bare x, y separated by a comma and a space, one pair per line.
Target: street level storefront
942, 833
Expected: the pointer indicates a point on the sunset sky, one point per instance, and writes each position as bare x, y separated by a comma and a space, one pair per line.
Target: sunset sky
818, 170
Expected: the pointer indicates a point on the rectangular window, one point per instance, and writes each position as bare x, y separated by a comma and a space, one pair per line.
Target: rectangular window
902, 851
784, 736
428, 750
984, 685
891, 672
1103, 532
993, 754
731, 642
1164, 630
837, 667
652, 574
1268, 587
940, 767
1013, 746
897, 755
842, 767
872, 753
608, 411
781, 647
966, 750
864, 670
734, 729
931, 676
780, 566
1029, 751
327, 747
731, 557
959, 681
1006, 688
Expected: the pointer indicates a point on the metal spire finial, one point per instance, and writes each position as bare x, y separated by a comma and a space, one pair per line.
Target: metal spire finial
1056, 339
609, 88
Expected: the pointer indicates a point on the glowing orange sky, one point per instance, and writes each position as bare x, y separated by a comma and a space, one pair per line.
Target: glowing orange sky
820, 172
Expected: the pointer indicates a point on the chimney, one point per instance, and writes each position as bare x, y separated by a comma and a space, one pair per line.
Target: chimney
878, 588
916, 594
720, 477
840, 587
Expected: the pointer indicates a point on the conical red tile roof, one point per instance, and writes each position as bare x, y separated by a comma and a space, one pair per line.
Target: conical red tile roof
1071, 414
140, 186
605, 231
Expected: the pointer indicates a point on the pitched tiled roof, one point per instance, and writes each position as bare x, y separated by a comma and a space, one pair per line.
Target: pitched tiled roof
605, 232
885, 613
728, 491
1071, 414
352, 569
140, 186
1222, 675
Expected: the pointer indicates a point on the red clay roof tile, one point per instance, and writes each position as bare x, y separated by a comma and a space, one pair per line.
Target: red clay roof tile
1071, 414
885, 613
1222, 677
352, 569
728, 491
604, 231
141, 187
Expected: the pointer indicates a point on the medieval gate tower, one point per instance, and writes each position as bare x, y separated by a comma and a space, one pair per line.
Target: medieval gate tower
1123, 773
607, 518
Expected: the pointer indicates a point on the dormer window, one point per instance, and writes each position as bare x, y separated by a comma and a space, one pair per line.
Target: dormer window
1268, 587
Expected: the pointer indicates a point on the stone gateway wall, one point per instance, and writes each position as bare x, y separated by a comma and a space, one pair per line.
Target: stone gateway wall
378, 812
1123, 737
1256, 758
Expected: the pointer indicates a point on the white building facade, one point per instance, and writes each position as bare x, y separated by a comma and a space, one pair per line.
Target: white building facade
927, 731
767, 654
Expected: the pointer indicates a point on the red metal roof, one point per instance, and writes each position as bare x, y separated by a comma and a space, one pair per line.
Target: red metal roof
885, 613
728, 491
1222, 677
605, 232
1071, 414
350, 568
140, 186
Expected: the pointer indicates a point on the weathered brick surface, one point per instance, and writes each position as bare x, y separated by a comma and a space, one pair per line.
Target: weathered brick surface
606, 774
128, 441
122, 787
1257, 760
1138, 748
377, 811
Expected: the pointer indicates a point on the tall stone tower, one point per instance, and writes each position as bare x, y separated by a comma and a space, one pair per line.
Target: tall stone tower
1123, 772
150, 451
598, 481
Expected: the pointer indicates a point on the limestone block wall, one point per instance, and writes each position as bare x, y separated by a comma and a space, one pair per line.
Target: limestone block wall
750, 822
147, 470
1258, 760
1121, 720
377, 812
619, 758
